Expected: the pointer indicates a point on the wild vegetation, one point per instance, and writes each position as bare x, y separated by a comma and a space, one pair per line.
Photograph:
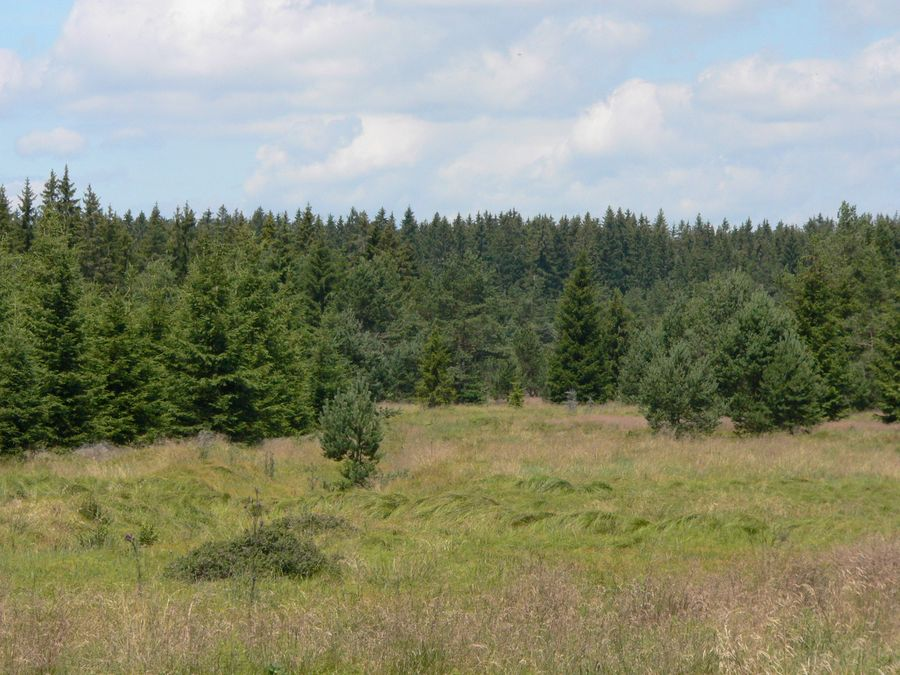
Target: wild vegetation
495, 538
133, 328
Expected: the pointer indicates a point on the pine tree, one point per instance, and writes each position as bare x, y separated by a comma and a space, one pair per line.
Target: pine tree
768, 377
351, 432
435, 386
90, 250
679, 391
578, 356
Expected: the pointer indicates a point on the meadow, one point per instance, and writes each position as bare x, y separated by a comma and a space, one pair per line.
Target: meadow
494, 540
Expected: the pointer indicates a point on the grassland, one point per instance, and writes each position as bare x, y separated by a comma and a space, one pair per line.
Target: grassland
530, 540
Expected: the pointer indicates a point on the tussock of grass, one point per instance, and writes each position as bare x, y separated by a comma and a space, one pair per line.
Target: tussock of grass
546, 484
274, 549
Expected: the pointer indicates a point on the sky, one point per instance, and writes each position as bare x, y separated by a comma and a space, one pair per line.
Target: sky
735, 109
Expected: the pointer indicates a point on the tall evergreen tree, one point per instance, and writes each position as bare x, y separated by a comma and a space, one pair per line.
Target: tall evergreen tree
578, 361
58, 328
50, 195
887, 379
435, 386
27, 215
127, 401
617, 328
9, 230
181, 239
317, 281
819, 307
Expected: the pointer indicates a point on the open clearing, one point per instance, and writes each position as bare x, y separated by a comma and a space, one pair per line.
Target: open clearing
495, 539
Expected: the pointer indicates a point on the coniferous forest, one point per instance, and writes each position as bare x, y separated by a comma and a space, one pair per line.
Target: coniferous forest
128, 327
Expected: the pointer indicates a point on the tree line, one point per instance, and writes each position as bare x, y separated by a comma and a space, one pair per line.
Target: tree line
130, 327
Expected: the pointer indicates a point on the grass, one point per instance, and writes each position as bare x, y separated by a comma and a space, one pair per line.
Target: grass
496, 539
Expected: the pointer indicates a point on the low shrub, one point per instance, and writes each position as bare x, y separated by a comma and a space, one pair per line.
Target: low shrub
274, 549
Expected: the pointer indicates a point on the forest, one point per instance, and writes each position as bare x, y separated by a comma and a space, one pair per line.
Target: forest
130, 328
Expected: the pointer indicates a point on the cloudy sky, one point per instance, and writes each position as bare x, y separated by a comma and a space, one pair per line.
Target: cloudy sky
732, 108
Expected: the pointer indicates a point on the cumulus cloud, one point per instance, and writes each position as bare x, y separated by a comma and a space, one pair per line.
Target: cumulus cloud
59, 142
632, 119
552, 57
383, 143
766, 88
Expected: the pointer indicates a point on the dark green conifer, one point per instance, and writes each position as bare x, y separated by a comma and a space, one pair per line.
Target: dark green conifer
435, 386
57, 324
578, 362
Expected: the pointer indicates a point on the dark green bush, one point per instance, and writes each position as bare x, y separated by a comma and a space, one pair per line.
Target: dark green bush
273, 550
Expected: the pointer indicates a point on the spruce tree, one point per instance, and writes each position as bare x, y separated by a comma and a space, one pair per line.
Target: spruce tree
435, 386
578, 361
887, 378
617, 320
9, 230
317, 281
791, 388
50, 196
22, 413
124, 402
57, 325
516, 395
327, 369
27, 215
181, 240
530, 358
234, 369
818, 306
67, 205
153, 245
22, 407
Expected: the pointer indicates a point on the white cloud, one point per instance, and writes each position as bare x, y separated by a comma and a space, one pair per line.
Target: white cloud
384, 142
552, 59
59, 142
631, 120
806, 88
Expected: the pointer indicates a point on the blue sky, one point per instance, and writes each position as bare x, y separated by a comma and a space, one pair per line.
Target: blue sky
732, 108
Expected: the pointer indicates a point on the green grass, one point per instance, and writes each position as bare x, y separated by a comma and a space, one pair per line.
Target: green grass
495, 539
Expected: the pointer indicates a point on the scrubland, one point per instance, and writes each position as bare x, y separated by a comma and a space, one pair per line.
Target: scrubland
494, 540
